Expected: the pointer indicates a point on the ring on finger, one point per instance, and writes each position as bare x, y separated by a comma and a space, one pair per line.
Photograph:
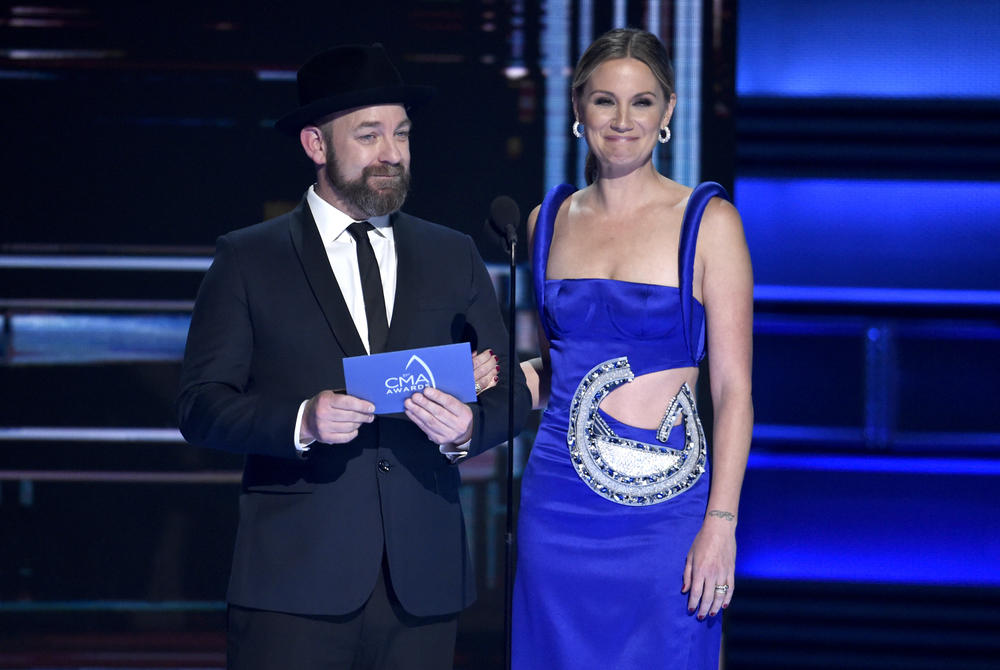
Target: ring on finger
722, 588
479, 389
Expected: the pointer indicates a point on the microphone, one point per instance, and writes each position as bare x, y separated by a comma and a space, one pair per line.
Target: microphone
505, 216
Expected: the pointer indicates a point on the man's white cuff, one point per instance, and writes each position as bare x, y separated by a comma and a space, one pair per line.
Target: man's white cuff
301, 447
457, 453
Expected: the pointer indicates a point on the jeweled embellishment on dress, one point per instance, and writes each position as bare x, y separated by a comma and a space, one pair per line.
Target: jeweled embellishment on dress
627, 471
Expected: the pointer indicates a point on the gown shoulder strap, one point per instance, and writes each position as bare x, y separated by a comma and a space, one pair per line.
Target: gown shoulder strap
695, 337
541, 242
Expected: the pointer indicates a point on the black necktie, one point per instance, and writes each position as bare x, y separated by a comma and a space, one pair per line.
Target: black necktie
371, 287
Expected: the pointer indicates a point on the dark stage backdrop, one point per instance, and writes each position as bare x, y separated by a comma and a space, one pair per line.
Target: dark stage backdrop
150, 124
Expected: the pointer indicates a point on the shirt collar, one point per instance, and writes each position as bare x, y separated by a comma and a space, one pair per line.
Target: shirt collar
332, 222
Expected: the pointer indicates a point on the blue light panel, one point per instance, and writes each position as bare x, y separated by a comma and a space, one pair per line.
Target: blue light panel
869, 519
857, 48
887, 234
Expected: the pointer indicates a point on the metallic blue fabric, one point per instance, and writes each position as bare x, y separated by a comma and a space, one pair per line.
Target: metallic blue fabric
599, 583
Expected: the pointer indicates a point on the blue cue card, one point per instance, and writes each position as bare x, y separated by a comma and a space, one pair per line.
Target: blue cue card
390, 378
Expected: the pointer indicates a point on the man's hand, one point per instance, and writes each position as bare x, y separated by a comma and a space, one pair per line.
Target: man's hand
334, 418
444, 418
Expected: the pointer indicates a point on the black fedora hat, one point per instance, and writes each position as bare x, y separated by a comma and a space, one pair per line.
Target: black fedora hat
345, 77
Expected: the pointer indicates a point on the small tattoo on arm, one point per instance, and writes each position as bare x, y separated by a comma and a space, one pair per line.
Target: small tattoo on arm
727, 516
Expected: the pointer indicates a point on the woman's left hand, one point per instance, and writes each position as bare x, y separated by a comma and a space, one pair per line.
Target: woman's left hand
710, 566
485, 370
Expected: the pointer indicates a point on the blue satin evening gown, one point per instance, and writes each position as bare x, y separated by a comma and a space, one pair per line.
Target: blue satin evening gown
608, 511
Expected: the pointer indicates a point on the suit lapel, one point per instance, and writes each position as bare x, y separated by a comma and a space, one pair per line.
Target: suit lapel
404, 308
312, 254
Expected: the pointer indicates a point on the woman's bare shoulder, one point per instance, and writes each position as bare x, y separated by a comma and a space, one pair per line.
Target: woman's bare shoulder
564, 208
721, 224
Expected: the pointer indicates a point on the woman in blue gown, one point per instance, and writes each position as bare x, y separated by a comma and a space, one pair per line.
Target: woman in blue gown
626, 535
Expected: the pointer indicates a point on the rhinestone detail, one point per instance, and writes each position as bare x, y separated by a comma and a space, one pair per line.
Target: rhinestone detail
627, 471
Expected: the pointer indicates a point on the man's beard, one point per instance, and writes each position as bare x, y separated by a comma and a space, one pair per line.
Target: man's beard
370, 201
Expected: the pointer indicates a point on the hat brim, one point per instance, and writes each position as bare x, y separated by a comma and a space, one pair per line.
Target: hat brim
410, 97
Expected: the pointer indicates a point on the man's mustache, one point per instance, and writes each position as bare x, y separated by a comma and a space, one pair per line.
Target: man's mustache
383, 171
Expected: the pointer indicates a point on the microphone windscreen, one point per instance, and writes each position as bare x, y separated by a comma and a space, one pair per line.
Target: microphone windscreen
504, 214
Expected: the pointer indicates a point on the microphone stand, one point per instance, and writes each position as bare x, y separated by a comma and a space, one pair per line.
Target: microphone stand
503, 220
511, 239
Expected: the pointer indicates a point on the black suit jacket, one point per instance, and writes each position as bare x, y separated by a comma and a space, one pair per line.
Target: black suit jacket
270, 328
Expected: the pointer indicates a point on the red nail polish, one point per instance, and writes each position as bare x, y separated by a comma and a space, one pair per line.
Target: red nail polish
690, 610
496, 379
498, 368
701, 618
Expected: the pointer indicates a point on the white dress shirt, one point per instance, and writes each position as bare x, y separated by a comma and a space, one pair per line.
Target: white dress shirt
341, 251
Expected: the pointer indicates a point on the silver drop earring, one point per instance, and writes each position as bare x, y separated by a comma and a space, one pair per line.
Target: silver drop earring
577, 129
664, 135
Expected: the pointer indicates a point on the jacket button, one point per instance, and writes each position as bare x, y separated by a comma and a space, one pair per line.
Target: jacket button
384, 465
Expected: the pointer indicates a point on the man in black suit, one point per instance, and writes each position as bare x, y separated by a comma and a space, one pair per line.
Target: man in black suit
351, 549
